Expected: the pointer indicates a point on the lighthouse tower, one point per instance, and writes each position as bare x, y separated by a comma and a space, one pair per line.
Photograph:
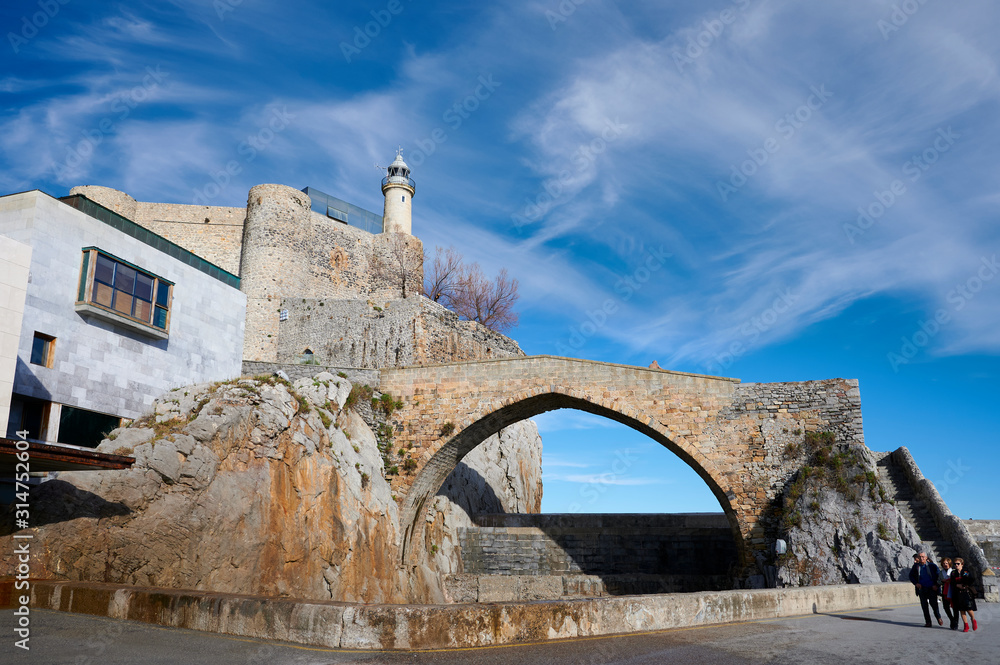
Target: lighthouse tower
398, 188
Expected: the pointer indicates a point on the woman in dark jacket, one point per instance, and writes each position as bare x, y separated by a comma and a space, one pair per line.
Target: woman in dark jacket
963, 593
946, 593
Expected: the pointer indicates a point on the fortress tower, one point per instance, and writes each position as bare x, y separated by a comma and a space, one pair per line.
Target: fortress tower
398, 188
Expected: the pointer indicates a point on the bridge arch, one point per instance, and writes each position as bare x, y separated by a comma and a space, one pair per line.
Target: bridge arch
736, 436
441, 459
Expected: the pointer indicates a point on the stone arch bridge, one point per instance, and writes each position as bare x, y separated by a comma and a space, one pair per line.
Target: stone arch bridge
733, 434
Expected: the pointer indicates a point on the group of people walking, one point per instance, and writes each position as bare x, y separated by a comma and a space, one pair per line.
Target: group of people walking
955, 585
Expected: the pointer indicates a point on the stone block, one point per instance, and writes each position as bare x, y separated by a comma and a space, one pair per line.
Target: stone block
498, 588
539, 587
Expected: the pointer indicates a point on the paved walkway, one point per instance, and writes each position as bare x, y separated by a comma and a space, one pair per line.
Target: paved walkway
877, 636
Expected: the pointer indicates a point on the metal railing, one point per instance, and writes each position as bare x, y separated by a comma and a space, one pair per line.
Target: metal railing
399, 180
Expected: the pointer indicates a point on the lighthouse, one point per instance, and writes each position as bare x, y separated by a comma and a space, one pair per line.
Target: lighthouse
398, 188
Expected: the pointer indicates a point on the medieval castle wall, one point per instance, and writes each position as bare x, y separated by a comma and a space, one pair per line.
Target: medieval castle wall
290, 252
348, 296
392, 333
214, 233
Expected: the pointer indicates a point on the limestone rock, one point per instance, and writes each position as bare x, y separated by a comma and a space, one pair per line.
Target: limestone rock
261, 487
245, 491
166, 461
839, 530
125, 439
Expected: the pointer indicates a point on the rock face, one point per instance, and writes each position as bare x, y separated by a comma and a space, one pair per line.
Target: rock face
840, 526
259, 487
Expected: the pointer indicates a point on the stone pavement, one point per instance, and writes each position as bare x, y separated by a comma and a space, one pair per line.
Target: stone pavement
878, 636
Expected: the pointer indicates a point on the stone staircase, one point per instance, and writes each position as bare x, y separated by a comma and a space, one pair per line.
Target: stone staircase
914, 511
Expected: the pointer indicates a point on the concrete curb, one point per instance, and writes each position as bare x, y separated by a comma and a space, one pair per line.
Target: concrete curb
388, 627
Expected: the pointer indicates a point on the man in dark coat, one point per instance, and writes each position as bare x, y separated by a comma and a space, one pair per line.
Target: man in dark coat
924, 575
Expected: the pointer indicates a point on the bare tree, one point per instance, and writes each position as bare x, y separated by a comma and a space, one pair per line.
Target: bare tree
464, 289
489, 302
395, 262
440, 283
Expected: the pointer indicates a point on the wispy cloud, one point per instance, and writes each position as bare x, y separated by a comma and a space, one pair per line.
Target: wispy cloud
783, 230
605, 479
549, 461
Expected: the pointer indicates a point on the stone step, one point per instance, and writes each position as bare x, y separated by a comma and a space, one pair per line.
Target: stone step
914, 510
918, 518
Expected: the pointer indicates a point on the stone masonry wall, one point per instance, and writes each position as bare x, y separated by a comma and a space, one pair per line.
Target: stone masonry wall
987, 535
392, 333
214, 233
296, 371
983, 527
772, 416
277, 224
291, 252
598, 545
346, 262
112, 199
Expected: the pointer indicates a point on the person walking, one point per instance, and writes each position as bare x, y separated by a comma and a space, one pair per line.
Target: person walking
945, 582
963, 593
924, 576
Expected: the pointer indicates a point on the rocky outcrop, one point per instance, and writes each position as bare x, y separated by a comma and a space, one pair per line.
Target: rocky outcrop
839, 524
258, 486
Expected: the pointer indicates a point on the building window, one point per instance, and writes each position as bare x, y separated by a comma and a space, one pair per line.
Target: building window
81, 427
42, 350
28, 414
120, 288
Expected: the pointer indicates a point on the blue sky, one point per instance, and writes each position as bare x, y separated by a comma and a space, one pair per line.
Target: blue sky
771, 190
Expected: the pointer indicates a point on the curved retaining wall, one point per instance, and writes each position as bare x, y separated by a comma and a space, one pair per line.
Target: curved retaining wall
951, 526
385, 627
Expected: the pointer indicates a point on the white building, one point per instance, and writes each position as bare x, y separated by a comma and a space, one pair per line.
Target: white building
112, 316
